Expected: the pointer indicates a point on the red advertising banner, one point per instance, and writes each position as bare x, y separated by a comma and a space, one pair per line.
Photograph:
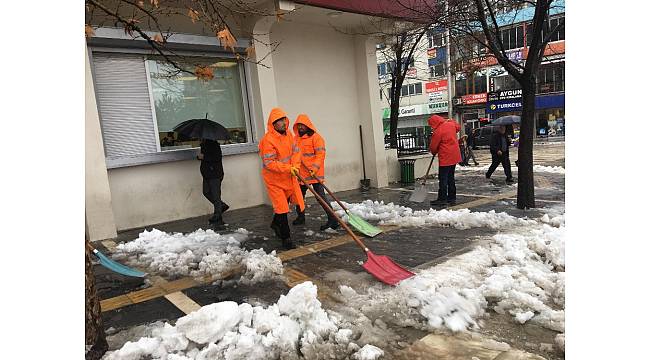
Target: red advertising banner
434, 86
474, 98
432, 53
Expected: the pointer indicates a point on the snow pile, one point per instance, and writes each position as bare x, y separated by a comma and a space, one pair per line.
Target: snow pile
391, 214
368, 352
519, 273
536, 168
295, 327
198, 254
559, 342
549, 169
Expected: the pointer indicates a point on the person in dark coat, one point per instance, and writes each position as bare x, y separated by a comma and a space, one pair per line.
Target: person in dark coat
499, 148
212, 173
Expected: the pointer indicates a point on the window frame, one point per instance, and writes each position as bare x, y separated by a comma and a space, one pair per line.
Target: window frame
245, 77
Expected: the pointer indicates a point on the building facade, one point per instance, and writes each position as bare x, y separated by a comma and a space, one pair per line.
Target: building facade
138, 173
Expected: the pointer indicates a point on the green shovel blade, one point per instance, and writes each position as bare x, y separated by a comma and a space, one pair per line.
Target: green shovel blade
362, 226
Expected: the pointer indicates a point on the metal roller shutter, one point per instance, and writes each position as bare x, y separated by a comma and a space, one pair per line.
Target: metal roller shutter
124, 105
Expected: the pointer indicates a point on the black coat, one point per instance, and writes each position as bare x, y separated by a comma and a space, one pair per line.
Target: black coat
211, 166
497, 142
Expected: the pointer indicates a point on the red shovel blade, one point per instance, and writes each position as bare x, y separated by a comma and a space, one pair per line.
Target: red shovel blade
385, 269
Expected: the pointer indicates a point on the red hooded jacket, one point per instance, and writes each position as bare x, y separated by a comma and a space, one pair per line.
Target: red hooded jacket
444, 141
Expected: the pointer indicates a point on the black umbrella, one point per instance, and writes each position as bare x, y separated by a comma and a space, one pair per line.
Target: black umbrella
202, 129
507, 120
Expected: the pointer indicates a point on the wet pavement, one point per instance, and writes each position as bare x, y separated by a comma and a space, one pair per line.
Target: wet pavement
408, 246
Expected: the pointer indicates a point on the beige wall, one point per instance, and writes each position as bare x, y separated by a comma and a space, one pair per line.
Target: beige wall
151, 194
315, 73
100, 224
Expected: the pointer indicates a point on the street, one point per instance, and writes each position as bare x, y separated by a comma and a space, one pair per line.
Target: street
489, 280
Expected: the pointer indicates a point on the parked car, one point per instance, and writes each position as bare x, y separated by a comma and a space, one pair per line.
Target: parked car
483, 136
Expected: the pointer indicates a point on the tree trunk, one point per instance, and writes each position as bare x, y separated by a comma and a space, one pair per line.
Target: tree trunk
394, 116
526, 183
94, 327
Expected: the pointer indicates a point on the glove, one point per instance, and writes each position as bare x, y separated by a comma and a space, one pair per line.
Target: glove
294, 171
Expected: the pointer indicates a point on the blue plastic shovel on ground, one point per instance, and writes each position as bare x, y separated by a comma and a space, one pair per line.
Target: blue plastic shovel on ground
114, 265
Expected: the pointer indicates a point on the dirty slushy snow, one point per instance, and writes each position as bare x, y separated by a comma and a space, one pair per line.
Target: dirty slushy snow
197, 254
520, 273
391, 214
296, 326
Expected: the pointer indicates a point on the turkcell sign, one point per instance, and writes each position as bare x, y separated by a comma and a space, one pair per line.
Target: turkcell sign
503, 105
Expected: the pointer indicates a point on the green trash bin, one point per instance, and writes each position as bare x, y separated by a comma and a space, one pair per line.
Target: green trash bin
407, 171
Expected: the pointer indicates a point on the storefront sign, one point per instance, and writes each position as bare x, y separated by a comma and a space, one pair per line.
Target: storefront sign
432, 53
437, 96
410, 110
503, 105
515, 55
504, 95
473, 99
439, 107
433, 86
413, 72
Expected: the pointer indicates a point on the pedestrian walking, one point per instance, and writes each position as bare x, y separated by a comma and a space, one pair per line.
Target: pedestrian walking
445, 143
462, 144
212, 173
312, 169
281, 161
469, 148
499, 148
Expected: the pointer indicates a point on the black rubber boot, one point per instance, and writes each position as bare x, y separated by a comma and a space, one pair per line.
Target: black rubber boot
331, 223
218, 224
300, 220
275, 225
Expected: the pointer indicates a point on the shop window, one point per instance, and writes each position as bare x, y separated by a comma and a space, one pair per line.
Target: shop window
412, 89
436, 38
179, 96
550, 78
437, 70
505, 82
471, 85
513, 38
548, 26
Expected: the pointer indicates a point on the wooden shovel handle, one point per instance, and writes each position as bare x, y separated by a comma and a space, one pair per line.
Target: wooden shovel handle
428, 169
332, 213
329, 192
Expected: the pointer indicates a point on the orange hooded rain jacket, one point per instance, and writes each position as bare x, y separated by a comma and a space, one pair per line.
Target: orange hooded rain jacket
312, 149
279, 153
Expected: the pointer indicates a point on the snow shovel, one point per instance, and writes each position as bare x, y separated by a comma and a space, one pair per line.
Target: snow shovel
420, 193
356, 221
379, 266
114, 265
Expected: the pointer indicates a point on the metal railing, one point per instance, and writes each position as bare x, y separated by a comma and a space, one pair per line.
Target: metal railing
410, 144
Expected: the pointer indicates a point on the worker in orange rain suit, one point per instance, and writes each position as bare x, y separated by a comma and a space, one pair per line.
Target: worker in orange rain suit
281, 160
312, 169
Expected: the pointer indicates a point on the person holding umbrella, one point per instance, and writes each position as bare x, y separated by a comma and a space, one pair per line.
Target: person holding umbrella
212, 173
211, 165
500, 146
280, 164
445, 143
312, 169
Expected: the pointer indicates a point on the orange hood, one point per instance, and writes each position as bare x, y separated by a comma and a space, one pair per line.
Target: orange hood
276, 113
303, 119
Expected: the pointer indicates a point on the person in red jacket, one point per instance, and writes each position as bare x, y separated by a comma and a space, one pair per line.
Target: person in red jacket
444, 142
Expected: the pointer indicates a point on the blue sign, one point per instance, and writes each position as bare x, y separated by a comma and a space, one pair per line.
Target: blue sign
441, 56
549, 101
503, 105
541, 102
